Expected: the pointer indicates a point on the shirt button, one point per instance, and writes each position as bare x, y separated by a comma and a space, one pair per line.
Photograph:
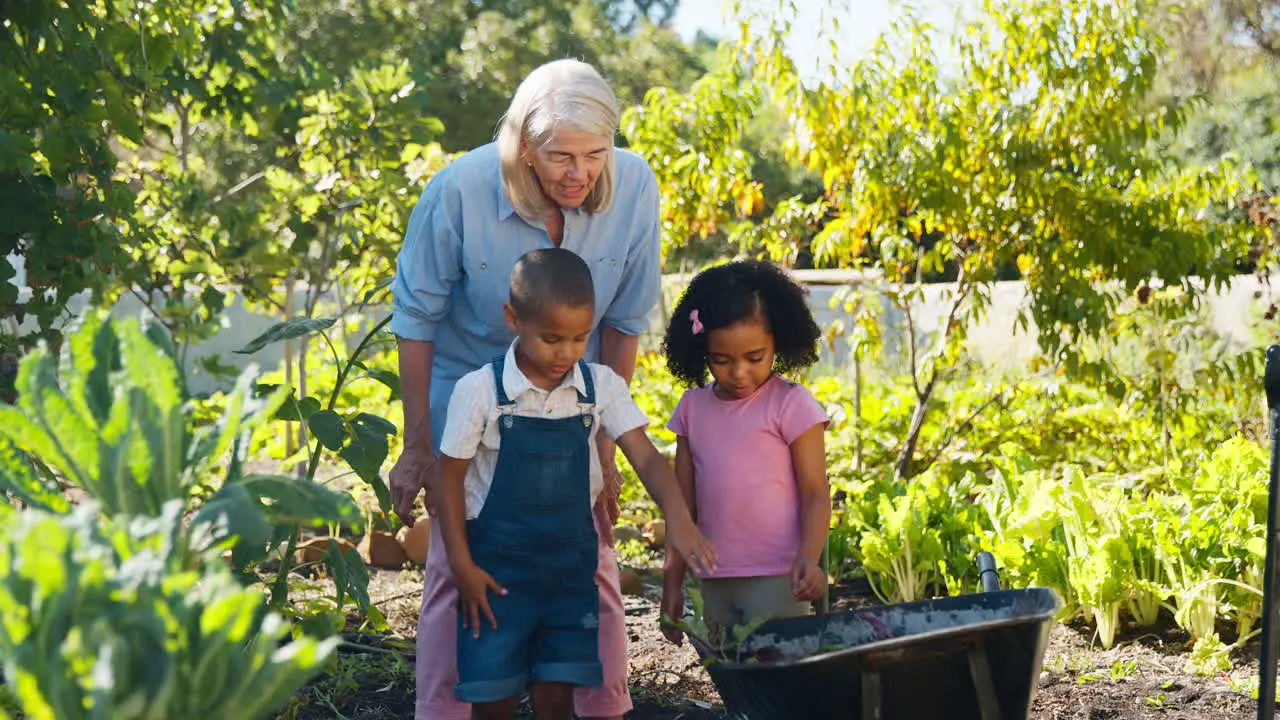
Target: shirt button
484, 266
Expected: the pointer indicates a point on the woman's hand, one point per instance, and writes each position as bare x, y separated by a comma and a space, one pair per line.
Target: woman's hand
685, 538
672, 607
808, 581
607, 503
474, 585
410, 475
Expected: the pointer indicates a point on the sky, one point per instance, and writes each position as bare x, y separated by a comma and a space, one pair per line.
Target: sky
859, 22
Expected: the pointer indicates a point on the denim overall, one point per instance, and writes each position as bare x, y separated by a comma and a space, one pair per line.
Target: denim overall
536, 536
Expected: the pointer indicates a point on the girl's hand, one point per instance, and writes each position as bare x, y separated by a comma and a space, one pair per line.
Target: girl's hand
807, 579
685, 538
673, 608
474, 585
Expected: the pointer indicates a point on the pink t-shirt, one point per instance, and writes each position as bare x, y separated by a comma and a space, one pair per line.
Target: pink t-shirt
747, 494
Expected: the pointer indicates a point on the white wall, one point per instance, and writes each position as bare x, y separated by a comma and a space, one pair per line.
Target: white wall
993, 340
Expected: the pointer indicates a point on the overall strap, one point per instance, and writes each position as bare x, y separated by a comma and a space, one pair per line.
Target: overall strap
498, 364
588, 383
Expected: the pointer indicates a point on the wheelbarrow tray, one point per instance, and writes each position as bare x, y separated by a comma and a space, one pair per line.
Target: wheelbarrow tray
966, 657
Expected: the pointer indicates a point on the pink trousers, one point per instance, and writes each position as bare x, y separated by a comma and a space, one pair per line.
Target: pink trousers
437, 659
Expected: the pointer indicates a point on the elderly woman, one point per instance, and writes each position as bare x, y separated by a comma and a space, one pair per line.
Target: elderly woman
552, 178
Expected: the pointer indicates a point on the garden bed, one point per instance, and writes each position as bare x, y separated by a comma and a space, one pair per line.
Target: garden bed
1141, 677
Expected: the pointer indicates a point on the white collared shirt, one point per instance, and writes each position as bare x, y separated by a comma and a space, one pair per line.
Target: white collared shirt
471, 429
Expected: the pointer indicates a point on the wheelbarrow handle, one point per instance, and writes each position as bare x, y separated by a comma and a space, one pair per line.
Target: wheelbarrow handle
988, 576
1270, 646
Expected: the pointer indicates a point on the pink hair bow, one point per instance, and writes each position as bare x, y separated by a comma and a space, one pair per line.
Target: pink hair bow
697, 324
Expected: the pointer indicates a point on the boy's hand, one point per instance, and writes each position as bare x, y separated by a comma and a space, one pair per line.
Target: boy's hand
685, 538
474, 585
672, 607
808, 581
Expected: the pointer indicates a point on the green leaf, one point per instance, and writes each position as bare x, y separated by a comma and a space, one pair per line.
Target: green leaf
367, 451
233, 514
389, 379
213, 299
295, 410
15, 151
142, 627
159, 336
350, 574
369, 296
373, 424
20, 478
105, 360
327, 426
288, 330
299, 501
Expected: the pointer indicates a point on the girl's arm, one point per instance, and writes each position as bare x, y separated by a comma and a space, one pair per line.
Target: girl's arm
656, 475
676, 567
808, 457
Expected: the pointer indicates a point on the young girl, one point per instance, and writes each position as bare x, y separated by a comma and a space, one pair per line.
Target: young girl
750, 456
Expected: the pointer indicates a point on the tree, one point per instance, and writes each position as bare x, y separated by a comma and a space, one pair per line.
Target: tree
1259, 18
470, 56
76, 80
1036, 150
1209, 41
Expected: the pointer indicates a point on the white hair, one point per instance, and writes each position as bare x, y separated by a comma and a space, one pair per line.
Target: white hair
562, 93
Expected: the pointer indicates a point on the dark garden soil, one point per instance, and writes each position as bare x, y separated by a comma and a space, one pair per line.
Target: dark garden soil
1141, 677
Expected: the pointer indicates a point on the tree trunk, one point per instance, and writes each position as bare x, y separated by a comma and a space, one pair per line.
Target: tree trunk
903, 465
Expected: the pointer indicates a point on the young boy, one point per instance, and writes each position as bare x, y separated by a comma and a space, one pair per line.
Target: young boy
518, 484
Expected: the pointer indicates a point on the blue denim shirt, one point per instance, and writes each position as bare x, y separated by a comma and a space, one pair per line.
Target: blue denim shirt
463, 239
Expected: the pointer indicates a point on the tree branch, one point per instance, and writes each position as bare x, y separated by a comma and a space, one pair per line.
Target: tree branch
965, 424
239, 186
1260, 33
912, 348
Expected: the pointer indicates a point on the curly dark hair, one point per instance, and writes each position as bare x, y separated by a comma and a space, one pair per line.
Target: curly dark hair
727, 294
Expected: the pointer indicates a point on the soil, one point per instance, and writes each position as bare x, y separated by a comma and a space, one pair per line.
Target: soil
1141, 677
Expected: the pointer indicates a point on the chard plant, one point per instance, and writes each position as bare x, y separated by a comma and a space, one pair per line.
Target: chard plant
1021, 504
138, 617
1148, 591
901, 547
1231, 486
1098, 559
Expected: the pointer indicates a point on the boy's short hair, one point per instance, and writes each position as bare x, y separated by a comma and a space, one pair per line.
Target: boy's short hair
550, 276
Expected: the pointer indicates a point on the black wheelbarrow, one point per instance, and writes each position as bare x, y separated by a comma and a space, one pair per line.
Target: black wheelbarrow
974, 656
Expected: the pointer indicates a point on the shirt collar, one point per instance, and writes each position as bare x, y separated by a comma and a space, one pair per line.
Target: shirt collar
515, 383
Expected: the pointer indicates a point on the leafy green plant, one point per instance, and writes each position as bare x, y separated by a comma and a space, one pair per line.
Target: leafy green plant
1147, 591
356, 437
1099, 564
720, 643
111, 417
901, 548
138, 617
